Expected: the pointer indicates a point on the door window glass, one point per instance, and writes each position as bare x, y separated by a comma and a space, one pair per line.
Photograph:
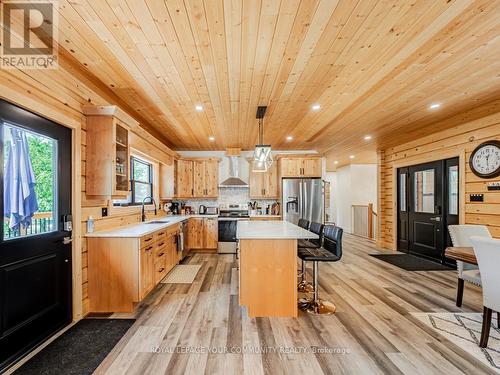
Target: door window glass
453, 190
424, 191
29, 186
402, 191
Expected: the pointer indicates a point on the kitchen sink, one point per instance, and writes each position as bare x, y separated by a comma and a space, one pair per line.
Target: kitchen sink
157, 222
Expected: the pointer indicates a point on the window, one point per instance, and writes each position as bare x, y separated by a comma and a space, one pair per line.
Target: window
424, 191
453, 190
141, 180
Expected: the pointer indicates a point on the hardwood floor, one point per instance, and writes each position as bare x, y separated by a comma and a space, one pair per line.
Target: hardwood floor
373, 331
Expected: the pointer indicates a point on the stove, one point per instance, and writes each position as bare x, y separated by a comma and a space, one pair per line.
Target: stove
229, 215
236, 210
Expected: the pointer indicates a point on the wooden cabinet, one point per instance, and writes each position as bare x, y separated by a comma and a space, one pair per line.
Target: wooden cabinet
196, 178
147, 281
184, 179
264, 184
203, 233
123, 271
107, 157
300, 167
211, 233
166, 181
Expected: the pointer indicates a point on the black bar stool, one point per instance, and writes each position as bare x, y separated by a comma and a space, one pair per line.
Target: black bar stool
330, 251
303, 223
317, 228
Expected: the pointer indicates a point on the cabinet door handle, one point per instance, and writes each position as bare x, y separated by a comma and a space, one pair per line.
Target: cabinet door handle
148, 239
149, 248
161, 270
161, 254
161, 244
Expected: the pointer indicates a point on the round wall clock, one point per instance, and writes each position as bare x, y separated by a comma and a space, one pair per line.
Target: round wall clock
485, 159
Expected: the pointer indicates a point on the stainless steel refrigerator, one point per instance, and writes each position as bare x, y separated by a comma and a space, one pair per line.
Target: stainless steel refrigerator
303, 198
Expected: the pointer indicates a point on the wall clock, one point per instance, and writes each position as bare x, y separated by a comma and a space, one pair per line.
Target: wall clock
485, 159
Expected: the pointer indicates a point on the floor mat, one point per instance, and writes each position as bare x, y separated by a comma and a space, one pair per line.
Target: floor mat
464, 330
411, 262
80, 350
182, 274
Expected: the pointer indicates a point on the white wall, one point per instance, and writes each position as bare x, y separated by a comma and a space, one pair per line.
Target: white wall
353, 184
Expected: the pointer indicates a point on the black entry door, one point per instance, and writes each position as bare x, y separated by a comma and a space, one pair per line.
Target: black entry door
427, 203
35, 256
426, 209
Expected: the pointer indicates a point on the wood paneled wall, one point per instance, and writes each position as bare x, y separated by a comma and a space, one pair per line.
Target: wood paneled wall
57, 95
457, 141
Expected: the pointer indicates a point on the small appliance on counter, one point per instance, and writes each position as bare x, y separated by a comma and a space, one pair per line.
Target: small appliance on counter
208, 210
175, 208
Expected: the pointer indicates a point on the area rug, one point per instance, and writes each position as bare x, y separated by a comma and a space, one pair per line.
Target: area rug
411, 262
464, 330
182, 274
80, 350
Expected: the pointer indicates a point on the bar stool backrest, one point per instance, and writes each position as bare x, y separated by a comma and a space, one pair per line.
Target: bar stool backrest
317, 228
303, 223
332, 239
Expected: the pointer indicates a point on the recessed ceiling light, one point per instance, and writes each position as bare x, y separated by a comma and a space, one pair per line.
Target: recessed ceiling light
211, 138
435, 105
351, 157
316, 107
336, 162
368, 137
198, 107
289, 138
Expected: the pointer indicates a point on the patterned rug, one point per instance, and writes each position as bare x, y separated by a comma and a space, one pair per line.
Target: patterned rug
464, 330
182, 274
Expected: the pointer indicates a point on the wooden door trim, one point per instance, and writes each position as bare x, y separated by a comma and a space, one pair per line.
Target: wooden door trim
421, 159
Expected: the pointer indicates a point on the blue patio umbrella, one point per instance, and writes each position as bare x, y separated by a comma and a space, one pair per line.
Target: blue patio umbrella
19, 197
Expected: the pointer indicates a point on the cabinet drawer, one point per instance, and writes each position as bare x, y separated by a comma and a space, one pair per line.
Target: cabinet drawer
147, 240
160, 271
160, 251
161, 235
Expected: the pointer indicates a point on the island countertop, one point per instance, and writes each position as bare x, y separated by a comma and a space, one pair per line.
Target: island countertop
272, 230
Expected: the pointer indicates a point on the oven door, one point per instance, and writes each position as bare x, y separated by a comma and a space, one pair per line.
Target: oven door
227, 235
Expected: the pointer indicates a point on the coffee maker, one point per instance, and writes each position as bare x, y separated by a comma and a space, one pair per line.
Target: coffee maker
175, 208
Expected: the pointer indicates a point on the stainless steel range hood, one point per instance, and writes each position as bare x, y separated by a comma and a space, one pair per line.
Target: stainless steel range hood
234, 179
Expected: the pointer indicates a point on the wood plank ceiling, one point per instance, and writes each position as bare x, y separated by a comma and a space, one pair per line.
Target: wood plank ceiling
374, 66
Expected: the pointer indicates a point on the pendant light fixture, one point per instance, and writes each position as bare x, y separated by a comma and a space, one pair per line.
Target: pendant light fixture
262, 158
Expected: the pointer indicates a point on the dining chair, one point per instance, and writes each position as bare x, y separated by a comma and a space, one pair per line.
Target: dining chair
460, 237
487, 252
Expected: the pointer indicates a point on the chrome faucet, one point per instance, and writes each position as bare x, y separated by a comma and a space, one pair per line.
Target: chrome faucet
143, 214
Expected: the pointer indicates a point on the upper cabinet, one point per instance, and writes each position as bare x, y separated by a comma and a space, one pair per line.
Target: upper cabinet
196, 178
264, 185
300, 167
107, 156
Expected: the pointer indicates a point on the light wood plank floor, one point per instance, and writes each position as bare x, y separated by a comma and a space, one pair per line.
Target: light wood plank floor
373, 330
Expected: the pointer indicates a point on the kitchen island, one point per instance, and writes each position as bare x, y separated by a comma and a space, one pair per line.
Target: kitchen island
268, 267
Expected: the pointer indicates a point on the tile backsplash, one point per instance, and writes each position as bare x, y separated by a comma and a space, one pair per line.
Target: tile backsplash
229, 195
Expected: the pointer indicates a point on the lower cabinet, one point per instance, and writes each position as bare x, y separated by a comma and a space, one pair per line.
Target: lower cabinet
123, 271
203, 233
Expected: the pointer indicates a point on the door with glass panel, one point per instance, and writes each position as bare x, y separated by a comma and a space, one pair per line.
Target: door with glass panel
35, 236
427, 203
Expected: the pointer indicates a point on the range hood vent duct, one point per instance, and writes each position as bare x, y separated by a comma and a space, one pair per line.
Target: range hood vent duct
234, 179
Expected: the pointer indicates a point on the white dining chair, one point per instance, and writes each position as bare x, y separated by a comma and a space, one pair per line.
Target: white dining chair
488, 257
460, 237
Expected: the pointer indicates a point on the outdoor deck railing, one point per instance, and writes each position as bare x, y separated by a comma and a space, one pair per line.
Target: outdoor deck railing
42, 222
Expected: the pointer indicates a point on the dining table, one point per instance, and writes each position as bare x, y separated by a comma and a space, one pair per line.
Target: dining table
464, 254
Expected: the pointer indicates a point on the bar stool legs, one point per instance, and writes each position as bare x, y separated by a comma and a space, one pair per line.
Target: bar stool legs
304, 286
316, 305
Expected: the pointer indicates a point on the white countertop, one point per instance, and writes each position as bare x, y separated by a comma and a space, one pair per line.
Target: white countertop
142, 229
272, 230
265, 215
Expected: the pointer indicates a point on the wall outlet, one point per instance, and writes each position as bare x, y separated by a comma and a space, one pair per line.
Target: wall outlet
104, 212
